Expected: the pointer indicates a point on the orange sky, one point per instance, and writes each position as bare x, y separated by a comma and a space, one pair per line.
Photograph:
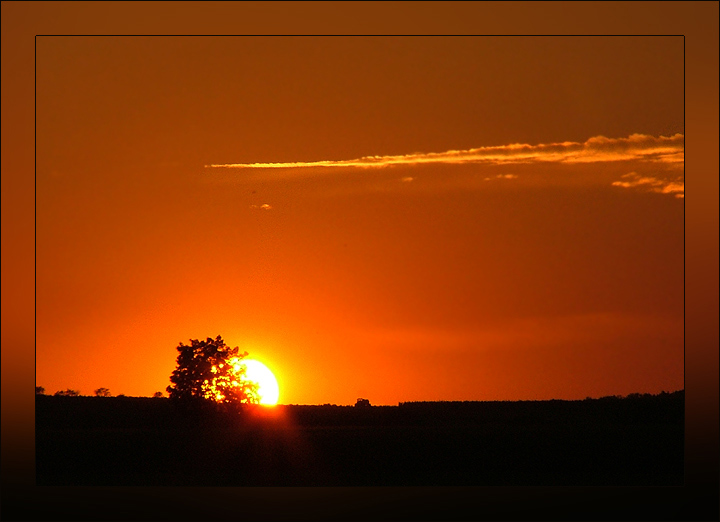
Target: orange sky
553, 270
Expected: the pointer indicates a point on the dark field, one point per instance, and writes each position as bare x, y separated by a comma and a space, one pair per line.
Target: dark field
149, 442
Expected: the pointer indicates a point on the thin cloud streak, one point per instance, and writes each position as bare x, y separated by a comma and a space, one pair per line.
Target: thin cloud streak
669, 150
675, 187
503, 176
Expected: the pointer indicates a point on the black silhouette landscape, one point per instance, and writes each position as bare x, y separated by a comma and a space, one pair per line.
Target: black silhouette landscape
121, 441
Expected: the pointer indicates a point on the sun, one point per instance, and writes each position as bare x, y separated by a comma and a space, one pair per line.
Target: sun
267, 384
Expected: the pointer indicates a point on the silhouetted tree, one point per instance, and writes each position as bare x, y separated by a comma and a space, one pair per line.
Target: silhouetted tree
102, 392
211, 371
157, 395
67, 393
39, 390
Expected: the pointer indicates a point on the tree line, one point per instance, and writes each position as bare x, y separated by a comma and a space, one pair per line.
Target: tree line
99, 392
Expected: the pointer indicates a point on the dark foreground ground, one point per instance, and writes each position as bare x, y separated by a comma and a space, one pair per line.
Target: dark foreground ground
122, 441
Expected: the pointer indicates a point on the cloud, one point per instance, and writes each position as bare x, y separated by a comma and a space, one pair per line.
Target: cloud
674, 187
669, 150
407, 179
264, 206
503, 176
521, 333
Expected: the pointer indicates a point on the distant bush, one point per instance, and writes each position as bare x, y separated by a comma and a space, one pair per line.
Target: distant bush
102, 392
157, 395
39, 390
67, 393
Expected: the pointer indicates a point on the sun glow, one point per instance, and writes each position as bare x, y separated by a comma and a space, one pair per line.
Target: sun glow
244, 380
259, 373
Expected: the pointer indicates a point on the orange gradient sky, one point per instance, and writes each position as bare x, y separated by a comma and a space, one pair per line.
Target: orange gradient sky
411, 218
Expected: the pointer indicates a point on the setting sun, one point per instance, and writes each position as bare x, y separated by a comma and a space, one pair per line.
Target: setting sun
267, 384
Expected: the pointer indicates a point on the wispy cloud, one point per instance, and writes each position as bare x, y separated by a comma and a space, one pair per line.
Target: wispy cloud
675, 187
264, 206
502, 176
595, 150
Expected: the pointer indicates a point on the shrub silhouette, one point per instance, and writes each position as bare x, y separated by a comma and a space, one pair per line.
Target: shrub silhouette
102, 392
157, 395
39, 390
67, 393
211, 372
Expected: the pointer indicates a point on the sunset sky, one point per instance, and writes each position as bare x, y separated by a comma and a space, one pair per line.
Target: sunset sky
399, 219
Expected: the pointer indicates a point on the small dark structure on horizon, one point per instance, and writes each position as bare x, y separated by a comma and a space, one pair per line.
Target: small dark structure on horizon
362, 403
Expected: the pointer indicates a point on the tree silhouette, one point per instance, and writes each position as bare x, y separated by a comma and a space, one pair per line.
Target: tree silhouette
211, 371
157, 395
67, 393
39, 390
102, 392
